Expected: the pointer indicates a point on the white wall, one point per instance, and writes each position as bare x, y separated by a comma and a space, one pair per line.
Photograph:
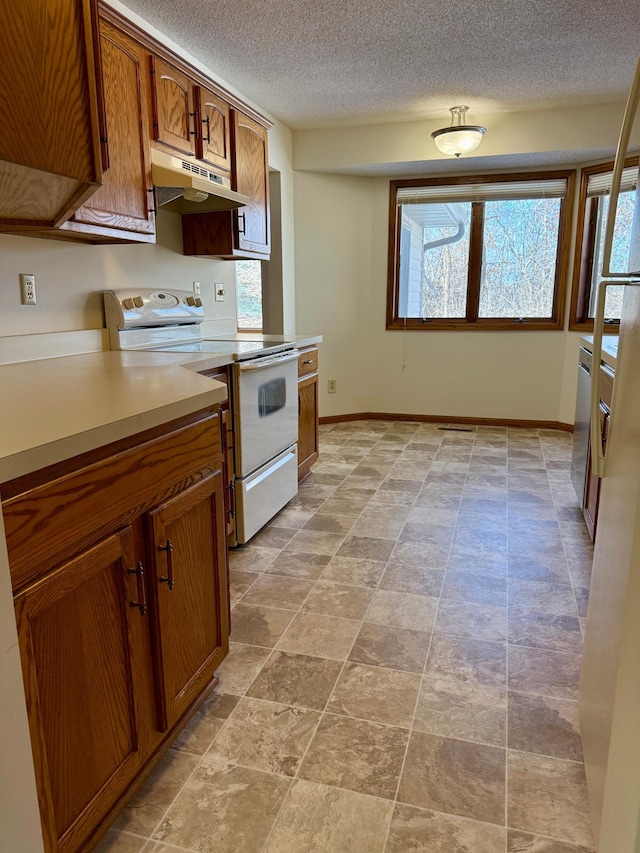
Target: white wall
341, 274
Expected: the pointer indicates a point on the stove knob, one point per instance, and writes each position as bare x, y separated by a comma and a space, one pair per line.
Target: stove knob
190, 300
198, 302
137, 301
128, 304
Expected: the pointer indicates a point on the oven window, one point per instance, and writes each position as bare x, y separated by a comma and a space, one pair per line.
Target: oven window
272, 396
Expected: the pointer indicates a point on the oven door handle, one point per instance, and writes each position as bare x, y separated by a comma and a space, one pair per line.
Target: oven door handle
269, 361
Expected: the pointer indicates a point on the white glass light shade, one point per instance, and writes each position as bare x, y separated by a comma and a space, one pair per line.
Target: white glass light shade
459, 138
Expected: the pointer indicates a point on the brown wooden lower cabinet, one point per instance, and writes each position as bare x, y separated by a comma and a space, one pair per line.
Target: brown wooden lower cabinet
307, 411
119, 638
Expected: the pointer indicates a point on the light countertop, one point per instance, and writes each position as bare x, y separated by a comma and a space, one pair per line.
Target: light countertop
53, 409
609, 348
56, 408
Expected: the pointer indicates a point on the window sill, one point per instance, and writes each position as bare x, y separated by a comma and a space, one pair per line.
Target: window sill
480, 325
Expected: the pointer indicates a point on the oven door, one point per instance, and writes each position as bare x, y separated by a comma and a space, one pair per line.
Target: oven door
265, 409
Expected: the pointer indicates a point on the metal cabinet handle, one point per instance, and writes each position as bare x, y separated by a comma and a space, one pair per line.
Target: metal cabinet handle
207, 122
241, 230
168, 548
154, 199
141, 604
308, 361
195, 131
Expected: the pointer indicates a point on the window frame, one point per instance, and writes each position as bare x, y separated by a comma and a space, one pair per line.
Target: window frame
472, 321
579, 320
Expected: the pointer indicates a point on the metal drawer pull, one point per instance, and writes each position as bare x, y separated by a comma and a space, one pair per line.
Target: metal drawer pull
309, 361
206, 121
241, 230
142, 603
169, 549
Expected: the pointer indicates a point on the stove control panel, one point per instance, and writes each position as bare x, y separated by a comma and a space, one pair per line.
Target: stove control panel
146, 308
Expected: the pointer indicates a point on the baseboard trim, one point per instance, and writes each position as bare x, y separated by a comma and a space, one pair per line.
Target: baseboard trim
443, 419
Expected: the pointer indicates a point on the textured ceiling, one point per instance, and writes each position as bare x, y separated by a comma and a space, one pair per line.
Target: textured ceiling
312, 63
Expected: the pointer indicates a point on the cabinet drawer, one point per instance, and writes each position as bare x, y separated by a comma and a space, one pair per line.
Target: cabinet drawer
308, 362
58, 519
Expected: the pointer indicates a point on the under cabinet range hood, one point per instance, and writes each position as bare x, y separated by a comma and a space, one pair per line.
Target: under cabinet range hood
184, 186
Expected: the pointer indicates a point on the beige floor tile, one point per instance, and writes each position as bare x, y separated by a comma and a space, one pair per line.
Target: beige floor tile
403, 610
524, 842
546, 631
386, 646
476, 588
366, 547
545, 726
462, 659
224, 809
372, 693
377, 528
548, 796
354, 570
294, 679
486, 563
198, 735
401, 577
416, 830
323, 636
240, 667
266, 736
273, 536
527, 597
455, 777
259, 626
251, 558
276, 591
319, 819
315, 542
145, 810
544, 672
239, 583
425, 555
466, 619
333, 599
330, 522
120, 842
298, 564
455, 708
427, 532
361, 756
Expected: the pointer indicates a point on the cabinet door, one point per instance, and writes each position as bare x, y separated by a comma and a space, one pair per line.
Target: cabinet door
173, 112
213, 138
50, 158
186, 546
124, 202
251, 177
81, 662
307, 424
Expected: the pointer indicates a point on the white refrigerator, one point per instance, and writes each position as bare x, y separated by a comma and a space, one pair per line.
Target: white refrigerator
610, 683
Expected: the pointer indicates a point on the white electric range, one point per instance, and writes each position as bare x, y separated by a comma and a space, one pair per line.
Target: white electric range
264, 392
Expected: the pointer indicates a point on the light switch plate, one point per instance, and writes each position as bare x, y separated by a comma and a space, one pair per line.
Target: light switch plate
219, 291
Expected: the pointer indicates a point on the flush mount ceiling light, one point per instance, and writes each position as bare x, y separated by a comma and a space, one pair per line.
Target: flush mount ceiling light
459, 138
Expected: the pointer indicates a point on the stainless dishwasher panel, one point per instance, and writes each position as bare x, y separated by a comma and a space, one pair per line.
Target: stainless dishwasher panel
262, 494
581, 428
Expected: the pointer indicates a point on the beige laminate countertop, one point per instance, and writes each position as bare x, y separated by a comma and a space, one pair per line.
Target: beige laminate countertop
56, 408
609, 348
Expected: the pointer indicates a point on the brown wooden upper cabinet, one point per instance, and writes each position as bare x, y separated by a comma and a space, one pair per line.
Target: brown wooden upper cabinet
122, 208
50, 113
243, 233
173, 112
213, 143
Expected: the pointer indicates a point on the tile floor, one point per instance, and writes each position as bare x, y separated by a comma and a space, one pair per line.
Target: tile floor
404, 665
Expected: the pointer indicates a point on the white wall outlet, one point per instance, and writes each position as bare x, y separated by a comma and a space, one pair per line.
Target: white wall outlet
331, 386
196, 288
219, 291
28, 288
